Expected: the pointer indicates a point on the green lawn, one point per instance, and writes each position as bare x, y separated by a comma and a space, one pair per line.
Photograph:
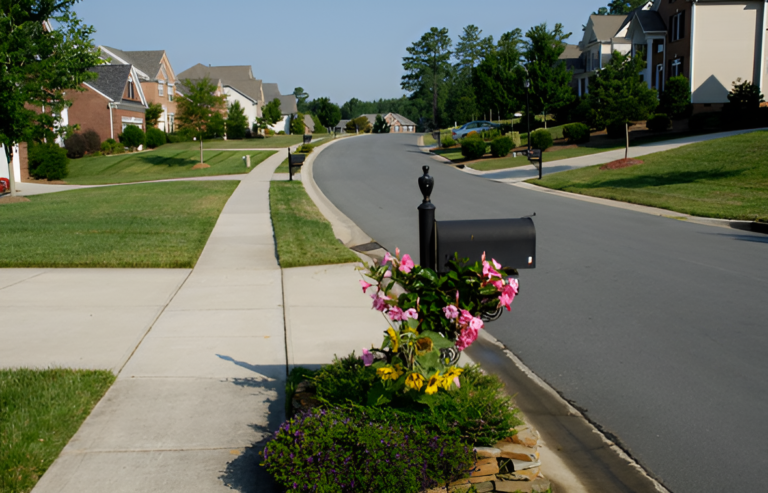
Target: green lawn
41, 411
724, 178
151, 225
303, 235
160, 164
274, 142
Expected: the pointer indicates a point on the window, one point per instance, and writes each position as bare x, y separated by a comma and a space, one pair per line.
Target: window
170, 93
131, 90
160, 86
677, 26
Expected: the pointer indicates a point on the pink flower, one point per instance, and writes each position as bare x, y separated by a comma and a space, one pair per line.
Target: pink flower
465, 318
365, 285
388, 274
379, 301
466, 338
387, 258
367, 357
406, 264
476, 324
456, 382
410, 313
397, 252
451, 312
396, 313
508, 294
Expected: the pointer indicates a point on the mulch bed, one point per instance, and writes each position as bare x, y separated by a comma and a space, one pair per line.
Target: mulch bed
621, 163
12, 200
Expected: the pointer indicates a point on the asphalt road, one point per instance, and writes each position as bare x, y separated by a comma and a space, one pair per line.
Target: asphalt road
656, 328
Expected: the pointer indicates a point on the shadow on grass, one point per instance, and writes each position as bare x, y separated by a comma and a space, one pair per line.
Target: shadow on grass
245, 473
166, 161
671, 178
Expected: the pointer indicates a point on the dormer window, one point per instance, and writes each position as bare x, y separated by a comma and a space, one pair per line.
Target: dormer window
131, 90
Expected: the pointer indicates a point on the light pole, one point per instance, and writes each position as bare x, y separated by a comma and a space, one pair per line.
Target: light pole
527, 111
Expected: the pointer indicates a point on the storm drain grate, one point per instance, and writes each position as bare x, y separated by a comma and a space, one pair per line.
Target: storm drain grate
367, 247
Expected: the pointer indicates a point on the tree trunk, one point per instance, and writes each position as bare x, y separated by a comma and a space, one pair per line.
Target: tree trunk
626, 133
12, 178
201, 149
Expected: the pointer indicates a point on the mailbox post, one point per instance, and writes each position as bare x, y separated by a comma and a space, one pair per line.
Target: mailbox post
294, 161
426, 221
536, 157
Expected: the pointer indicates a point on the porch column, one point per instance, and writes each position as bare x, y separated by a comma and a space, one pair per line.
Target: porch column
649, 62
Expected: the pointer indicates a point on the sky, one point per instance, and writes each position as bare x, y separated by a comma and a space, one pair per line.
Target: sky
338, 49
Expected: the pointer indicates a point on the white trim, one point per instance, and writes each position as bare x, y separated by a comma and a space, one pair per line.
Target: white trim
763, 52
99, 92
664, 61
693, 40
124, 62
138, 86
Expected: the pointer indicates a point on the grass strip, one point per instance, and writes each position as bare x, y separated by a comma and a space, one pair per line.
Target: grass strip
161, 164
724, 178
151, 225
304, 236
41, 411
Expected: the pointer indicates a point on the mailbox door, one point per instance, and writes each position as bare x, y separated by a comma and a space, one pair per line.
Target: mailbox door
511, 242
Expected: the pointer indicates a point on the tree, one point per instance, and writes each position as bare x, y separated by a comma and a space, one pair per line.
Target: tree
471, 49
153, 114
428, 64
550, 78
37, 65
237, 122
196, 108
618, 94
301, 99
319, 127
496, 82
622, 7
328, 113
675, 100
380, 126
297, 125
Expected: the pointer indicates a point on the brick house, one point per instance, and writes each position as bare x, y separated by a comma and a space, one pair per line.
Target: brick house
157, 78
398, 124
109, 103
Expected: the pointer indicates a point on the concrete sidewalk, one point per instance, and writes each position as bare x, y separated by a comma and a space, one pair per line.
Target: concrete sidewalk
202, 355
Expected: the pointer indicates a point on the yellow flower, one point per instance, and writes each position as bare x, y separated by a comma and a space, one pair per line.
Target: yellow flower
434, 381
414, 381
397, 372
385, 373
393, 338
423, 346
448, 377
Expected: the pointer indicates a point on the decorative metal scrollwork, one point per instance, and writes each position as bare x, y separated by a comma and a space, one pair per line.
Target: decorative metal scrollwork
491, 316
451, 354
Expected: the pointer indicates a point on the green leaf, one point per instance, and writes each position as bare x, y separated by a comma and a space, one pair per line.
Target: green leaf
429, 361
438, 340
378, 395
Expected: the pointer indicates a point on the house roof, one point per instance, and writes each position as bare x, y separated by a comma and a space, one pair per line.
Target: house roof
230, 72
309, 123
287, 102
271, 91
605, 27
342, 124
572, 57
650, 21
111, 80
182, 84
250, 88
403, 120
147, 62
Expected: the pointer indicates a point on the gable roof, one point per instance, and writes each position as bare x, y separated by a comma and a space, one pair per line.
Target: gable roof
271, 91
239, 77
111, 80
605, 27
403, 120
147, 63
309, 123
650, 21
572, 57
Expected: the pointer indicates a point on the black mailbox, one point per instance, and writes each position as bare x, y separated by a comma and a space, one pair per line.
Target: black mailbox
307, 138
511, 242
536, 158
294, 161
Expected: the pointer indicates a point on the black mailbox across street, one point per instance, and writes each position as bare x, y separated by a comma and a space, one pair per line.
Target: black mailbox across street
511, 242
307, 138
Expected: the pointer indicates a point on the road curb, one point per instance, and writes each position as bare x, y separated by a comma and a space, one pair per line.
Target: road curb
751, 226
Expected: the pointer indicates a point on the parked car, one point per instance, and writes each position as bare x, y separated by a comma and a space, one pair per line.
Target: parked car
5, 185
476, 126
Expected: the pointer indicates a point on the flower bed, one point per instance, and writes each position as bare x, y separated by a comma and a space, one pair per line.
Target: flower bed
404, 416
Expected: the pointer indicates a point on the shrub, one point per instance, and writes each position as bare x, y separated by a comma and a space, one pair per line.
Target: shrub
110, 146
472, 146
616, 131
743, 108
47, 161
92, 141
658, 123
281, 132
490, 134
501, 146
448, 141
344, 451
305, 149
576, 133
319, 128
522, 125
297, 124
478, 412
541, 139
270, 132
132, 136
155, 137
675, 100
515, 136
75, 145
705, 121
506, 128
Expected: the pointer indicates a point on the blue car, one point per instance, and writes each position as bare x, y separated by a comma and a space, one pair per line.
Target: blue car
476, 126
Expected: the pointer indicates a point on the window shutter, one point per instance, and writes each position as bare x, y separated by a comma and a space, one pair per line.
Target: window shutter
682, 25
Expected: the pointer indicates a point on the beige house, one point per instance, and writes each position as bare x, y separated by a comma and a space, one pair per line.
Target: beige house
397, 123
710, 42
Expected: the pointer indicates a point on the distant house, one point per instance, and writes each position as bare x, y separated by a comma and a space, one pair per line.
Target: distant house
237, 83
157, 78
601, 38
287, 106
341, 127
110, 102
397, 123
309, 124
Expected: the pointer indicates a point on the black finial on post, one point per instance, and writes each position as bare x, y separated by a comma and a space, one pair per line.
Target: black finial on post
426, 184
427, 251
